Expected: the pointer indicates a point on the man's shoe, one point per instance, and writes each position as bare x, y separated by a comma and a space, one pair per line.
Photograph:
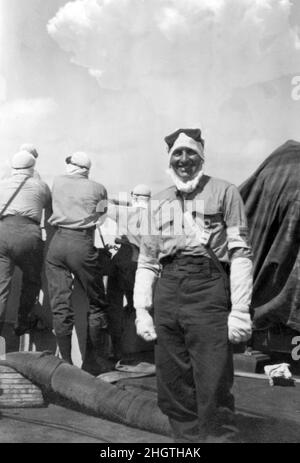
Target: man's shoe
22, 328
98, 367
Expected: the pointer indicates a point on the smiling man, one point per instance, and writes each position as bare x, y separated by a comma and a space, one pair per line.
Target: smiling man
199, 250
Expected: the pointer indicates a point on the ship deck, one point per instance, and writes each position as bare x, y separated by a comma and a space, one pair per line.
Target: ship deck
264, 415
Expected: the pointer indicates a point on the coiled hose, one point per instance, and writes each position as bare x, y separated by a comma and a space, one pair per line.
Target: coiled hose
93, 395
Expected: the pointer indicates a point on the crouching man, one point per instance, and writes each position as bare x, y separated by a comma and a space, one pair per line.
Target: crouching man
198, 246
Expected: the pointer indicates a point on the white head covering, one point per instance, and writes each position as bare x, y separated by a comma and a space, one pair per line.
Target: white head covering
30, 148
141, 195
78, 163
141, 190
80, 159
185, 138
184, 141
22, 160
23, 163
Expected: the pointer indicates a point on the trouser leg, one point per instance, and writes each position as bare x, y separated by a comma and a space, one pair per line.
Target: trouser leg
120, 283
21, 245
65, 347
6, 270
97, 317
60, 284
209, 351
225, 398
6, 273
176, 390
115, 311
126, 272
31, 263
192, 352
89, 276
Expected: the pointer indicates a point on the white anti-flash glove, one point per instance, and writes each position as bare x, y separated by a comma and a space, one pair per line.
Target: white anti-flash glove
143, 300
144, 325
239, 327
241, 282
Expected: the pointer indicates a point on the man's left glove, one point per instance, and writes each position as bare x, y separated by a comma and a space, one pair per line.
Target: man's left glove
239, 327
143, 300
241, 282
145, 325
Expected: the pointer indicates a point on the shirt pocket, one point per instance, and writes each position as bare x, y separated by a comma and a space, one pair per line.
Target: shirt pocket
213, 221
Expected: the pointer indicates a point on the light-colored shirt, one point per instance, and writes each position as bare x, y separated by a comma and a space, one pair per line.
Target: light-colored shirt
77, 202
7, 172
213, 214
30, 201
128, 221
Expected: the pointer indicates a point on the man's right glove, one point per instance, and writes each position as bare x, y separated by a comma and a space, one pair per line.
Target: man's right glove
142, 300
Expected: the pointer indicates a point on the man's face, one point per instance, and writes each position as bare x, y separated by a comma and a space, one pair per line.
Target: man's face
186, 163
140, 200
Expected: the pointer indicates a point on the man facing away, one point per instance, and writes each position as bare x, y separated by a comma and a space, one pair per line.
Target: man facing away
201, 300
20, 236
78, 202
31, 149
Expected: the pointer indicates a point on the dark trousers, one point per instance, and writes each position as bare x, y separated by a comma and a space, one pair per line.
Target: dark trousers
73, 252
193, 354
120, 282
20, 245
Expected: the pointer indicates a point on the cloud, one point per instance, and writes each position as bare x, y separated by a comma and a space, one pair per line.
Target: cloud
128, 42
214, 63
25, 120
2, 89
22, 116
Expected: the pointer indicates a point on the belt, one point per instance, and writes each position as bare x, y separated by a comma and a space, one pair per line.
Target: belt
19, 218
83, 231
184, 262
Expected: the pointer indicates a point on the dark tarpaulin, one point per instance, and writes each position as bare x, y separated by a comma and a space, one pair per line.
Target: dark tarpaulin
272, 200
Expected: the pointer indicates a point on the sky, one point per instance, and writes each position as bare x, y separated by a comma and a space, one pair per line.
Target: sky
113, 77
